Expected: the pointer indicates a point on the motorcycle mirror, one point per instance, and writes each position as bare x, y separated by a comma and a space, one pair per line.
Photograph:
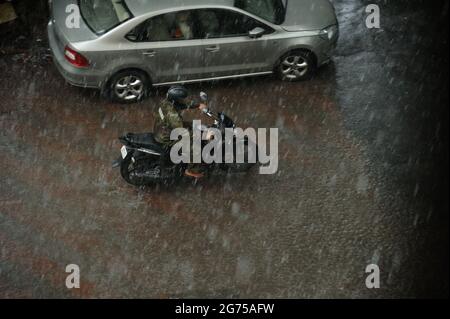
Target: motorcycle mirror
204, 97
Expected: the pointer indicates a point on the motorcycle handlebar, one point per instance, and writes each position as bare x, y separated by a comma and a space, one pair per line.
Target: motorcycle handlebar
210, 114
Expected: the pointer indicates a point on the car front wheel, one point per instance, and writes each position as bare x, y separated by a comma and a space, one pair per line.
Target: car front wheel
296, 66
128, 87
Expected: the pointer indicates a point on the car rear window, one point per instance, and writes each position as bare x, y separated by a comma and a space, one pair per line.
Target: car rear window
273, 11
104, 15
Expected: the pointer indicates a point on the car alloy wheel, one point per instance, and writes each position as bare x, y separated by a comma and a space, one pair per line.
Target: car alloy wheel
129, 88
294, 67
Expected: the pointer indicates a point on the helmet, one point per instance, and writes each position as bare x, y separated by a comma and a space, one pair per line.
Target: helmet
177, 94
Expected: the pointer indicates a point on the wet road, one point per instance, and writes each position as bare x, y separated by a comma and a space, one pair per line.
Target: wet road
362, 179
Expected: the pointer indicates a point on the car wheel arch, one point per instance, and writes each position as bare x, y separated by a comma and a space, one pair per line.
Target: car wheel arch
107, 81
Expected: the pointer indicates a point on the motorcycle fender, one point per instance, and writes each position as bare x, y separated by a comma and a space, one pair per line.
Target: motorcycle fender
138, 155
118, 162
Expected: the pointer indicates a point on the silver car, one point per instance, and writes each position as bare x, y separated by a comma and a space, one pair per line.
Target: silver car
124, 47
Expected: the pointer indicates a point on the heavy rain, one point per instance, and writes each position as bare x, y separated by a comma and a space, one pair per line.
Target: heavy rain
362, 176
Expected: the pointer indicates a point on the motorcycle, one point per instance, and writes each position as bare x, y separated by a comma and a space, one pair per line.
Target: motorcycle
144, 161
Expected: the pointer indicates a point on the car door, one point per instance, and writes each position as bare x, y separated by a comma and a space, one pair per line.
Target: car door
228, 48
166, 52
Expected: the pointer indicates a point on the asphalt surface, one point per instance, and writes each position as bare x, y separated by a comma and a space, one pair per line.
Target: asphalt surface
363, 179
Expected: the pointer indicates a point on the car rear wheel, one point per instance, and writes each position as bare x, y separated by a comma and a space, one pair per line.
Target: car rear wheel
128, 87
296, 66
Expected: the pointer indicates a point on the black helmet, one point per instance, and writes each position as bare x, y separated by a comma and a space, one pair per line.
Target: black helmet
177, 94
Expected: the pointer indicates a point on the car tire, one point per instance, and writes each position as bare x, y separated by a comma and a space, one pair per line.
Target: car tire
296, 66
130, 86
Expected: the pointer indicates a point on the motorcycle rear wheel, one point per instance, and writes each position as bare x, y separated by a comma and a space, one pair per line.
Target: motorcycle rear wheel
128, 167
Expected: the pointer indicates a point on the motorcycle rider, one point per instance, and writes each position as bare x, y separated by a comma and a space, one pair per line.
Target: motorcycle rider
169, 117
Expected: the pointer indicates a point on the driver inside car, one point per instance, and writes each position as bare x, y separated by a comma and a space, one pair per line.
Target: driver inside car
184, 26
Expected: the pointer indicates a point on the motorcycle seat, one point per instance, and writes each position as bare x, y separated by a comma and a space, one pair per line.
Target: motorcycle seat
145, 140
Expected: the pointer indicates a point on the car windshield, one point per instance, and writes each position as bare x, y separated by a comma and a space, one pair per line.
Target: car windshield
273, 11
103, 15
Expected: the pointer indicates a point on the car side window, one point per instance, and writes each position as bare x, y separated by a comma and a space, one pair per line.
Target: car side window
174, 26
221, 23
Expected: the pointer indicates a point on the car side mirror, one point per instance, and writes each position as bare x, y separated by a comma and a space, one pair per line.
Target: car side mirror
131, 37
257, 32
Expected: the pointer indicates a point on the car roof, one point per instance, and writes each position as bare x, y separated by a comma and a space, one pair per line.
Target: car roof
140, 7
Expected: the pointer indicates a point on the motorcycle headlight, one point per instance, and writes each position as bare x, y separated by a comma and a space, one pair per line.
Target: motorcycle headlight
329, 33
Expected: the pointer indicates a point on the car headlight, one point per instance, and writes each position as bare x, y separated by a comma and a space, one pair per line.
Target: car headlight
329, 33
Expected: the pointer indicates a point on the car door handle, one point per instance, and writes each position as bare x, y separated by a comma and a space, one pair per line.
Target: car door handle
214, 48
149, 53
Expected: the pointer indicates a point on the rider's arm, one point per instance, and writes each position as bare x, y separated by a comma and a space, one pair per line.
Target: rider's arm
193, 105
175, 121
196, 105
